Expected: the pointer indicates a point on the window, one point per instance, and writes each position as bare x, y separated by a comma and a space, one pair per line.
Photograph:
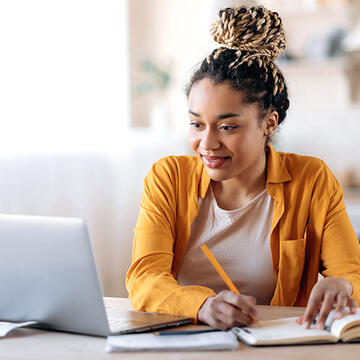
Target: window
63, 74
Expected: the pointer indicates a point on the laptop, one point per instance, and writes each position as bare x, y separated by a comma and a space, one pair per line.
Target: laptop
48, 274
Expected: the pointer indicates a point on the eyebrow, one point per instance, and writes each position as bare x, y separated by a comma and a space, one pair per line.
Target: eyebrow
220, 117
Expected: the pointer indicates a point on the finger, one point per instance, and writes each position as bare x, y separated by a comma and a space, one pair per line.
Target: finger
241, 319
311, 310
341, 302
242, 302
232, 316
326, 307
352, 305
216, 316
251, 299
219, 323
219, 319
248, 305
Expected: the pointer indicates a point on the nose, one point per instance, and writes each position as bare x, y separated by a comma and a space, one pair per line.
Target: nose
209, 140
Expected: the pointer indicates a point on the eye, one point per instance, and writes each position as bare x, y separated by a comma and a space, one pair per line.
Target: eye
195, 125
228, 127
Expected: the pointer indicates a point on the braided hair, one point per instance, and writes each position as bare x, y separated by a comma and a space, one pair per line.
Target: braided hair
251, 39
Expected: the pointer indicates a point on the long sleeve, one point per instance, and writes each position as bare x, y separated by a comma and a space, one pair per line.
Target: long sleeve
150, 280
340, 249
313, 232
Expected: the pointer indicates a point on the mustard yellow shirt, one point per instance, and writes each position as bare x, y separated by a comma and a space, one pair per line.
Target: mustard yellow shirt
310, 233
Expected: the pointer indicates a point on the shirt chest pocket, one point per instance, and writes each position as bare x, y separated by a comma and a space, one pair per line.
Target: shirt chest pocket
291, 265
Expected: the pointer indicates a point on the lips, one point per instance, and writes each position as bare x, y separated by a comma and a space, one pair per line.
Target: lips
214, 162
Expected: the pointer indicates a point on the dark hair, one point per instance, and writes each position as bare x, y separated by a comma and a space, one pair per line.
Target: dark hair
246, 63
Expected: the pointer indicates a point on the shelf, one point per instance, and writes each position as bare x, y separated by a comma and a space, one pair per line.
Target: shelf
321, 66
296, 9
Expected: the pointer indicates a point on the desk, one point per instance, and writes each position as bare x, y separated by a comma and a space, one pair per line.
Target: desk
38, 344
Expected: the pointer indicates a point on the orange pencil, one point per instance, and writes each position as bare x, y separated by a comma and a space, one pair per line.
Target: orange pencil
221, 271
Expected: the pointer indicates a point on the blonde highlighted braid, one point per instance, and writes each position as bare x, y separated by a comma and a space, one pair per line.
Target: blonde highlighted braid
251, 39
256, 34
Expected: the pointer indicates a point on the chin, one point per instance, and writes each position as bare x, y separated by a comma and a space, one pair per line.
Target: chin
215, 175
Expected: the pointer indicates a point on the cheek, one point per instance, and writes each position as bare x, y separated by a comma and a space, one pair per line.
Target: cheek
247, 143
254, 137
194, 140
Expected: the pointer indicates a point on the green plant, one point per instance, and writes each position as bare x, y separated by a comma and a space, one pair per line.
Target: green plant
155, 78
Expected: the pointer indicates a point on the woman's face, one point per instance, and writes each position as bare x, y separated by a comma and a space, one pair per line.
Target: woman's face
226, 132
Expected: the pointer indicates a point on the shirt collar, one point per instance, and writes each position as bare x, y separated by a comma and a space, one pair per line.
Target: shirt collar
277, 171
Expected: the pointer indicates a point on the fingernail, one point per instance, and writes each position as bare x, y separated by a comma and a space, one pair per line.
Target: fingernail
338, 315
306, 324
320, 326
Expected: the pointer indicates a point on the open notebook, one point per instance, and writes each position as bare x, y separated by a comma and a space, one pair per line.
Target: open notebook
288, 331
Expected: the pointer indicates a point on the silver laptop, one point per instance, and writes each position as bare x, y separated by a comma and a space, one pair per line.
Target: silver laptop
48, 274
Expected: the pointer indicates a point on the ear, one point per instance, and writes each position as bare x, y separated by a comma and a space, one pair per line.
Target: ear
270, 123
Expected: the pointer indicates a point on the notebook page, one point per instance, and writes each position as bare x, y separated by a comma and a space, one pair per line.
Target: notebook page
6, 327
285, 330
338, 326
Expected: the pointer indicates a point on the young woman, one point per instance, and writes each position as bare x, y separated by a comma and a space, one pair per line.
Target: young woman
273, 220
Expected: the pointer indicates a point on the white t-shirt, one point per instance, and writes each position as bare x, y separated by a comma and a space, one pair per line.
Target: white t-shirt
239, 240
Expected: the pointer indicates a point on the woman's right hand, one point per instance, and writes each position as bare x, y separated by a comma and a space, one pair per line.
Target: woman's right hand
227, 309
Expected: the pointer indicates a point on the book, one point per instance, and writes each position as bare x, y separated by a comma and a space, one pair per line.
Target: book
215, 340
288, 331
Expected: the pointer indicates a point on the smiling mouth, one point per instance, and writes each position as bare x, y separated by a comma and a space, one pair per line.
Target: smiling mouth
214, 162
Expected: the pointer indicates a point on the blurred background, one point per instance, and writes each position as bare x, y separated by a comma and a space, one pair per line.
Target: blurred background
92, 93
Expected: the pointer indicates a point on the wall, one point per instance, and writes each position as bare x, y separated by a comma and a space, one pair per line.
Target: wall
322, 120
64, 109
324, 116
174, 34
64, 74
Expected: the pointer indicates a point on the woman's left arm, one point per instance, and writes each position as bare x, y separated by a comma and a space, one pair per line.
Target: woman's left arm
340, 259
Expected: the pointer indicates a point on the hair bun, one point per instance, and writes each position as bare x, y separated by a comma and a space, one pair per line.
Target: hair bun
256, 30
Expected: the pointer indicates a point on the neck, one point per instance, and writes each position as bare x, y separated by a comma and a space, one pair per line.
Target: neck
235, 192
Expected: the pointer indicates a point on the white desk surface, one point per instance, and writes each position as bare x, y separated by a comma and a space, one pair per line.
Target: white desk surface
39, 344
